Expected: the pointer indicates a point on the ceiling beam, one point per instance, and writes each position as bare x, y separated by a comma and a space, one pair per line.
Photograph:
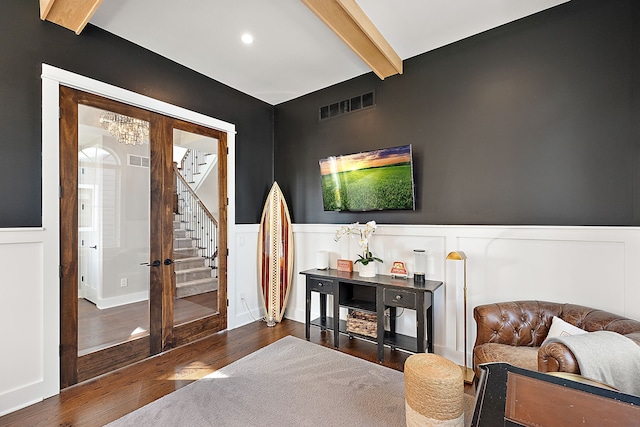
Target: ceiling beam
71, 14
347, 19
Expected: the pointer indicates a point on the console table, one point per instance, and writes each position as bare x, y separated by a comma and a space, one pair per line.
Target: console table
373, 295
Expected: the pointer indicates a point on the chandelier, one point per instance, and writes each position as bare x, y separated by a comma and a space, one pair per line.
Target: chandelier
127, 130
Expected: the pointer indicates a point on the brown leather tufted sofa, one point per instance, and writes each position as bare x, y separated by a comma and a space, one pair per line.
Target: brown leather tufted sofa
514, 332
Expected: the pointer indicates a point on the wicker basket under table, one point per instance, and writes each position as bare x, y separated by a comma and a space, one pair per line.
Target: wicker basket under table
362, 323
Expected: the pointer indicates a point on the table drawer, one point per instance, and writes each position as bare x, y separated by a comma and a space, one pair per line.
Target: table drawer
321, 285
399, 298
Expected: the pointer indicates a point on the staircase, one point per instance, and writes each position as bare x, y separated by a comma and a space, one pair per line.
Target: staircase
196, 166
195, 245
193, 275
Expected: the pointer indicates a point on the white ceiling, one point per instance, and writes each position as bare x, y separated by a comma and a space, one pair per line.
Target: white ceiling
294, 53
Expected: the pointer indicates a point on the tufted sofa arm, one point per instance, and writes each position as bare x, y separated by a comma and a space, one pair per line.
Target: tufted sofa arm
556, 357
526, 324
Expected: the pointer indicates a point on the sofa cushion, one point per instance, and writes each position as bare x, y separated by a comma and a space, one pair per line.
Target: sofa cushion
521, 356
560, 328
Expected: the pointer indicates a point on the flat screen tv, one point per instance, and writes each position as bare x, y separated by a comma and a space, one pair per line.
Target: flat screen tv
369, 181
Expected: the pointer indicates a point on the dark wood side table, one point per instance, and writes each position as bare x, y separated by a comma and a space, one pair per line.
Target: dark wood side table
375, 295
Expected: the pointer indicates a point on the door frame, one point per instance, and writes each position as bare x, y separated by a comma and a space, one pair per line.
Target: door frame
52, 78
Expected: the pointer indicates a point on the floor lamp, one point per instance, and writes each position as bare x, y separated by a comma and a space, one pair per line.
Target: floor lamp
468, 373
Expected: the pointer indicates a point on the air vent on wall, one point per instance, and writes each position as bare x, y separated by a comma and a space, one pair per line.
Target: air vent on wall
138, 161
356, 103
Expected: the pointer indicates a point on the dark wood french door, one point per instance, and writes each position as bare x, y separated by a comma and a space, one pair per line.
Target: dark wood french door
117, 220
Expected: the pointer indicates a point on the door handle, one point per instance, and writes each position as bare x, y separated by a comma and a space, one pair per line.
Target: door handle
93, 247
168, 261
155, 263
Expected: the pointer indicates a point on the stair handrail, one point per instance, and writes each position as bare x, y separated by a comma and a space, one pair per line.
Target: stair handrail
184, 159
198, 213
195, 196
188, 164
191, 166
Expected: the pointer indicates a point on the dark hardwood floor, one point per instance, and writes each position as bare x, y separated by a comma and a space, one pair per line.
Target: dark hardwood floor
107, 398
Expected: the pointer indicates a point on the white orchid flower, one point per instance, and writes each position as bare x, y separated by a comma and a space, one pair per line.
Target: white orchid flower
363, 241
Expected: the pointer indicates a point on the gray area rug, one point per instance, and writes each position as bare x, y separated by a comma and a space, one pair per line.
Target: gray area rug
289, 383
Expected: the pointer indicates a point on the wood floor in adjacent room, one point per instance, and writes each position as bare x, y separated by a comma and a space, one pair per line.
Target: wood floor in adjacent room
107, 398
101, 328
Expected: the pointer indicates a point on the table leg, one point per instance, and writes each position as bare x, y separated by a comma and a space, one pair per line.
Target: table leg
420, 322
307, 320
380, 313
336, 319
429, 295
323, 311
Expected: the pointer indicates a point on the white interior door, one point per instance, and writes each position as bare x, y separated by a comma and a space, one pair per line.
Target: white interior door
89, 237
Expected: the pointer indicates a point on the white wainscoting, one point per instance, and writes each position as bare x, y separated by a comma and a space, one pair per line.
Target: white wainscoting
592, 266
29, 360
245, 297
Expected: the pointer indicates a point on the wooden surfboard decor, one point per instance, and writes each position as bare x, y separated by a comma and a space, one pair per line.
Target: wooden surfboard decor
275, 255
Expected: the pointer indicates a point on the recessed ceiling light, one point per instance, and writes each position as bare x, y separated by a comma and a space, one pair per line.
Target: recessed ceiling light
247, 38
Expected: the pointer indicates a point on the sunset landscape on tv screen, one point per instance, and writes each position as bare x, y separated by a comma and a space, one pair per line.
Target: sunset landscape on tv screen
372, 180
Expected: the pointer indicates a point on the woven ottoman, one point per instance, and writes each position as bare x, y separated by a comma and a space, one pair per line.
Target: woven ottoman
434, 391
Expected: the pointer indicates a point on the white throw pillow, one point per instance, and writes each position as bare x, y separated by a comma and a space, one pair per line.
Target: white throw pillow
560, 328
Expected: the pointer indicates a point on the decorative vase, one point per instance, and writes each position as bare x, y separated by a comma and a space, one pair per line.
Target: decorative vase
368, 270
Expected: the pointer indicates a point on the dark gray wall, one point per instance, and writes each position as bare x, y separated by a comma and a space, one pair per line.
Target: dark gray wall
27, 42
535, 122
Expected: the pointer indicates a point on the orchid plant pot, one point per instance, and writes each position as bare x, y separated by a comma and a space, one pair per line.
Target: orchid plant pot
368, 270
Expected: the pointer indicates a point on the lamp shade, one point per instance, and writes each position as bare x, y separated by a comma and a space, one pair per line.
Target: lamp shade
457, 255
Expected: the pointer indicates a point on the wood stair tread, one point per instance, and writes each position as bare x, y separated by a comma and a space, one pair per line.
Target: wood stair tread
196, 282
192, 270
190, 259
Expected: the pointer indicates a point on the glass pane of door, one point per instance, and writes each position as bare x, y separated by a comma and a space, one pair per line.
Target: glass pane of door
196, 215
113, 228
